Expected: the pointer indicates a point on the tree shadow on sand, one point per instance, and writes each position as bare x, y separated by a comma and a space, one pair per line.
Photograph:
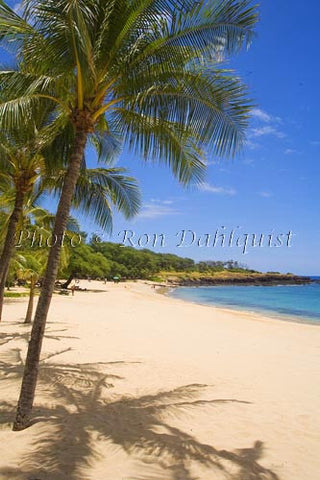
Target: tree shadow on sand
86, 413
6, 337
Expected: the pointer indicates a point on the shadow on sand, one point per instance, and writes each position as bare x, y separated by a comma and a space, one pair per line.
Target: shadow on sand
85, 413
24, 335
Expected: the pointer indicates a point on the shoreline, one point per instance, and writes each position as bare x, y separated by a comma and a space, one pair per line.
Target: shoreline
272, 314
183, 383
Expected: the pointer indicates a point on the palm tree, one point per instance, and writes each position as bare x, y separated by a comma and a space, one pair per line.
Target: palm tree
20, 165
97, 191
27, 171
29, 264
28, 267
147, 70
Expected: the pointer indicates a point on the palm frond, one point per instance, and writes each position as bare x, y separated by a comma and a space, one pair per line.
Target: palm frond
12, 26
147, 72
161, 141
14, 113
101, 190
106, 142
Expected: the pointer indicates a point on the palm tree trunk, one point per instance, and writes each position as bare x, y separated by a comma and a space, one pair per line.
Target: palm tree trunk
67, 283
30, 373
28, 318
9, 244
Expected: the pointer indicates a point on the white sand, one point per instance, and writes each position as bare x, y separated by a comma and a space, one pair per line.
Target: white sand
155, 388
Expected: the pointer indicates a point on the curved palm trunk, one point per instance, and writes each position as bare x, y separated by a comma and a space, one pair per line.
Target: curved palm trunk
30, 373
28, 318
67, 283
9, 244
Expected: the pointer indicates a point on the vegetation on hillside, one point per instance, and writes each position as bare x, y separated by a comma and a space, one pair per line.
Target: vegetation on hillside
106, 260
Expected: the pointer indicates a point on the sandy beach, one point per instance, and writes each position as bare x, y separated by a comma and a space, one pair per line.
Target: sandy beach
138, 386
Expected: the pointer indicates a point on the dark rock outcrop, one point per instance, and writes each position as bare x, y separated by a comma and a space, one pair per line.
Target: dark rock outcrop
262, 279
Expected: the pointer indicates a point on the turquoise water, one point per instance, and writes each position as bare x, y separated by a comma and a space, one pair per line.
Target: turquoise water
296, 302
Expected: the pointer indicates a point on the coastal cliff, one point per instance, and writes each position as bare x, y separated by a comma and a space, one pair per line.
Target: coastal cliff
236, 278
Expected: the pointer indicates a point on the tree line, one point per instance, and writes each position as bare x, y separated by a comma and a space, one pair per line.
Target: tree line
106, 260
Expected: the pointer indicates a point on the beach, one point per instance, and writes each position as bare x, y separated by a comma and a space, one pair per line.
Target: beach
137, 385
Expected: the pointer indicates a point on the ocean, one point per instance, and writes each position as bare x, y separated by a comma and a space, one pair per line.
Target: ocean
288, 302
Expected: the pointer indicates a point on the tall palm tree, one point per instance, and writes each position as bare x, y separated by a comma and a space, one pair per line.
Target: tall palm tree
27, 171
29, 264
97, 191
20, 165
28, 267
145, 69
28, 261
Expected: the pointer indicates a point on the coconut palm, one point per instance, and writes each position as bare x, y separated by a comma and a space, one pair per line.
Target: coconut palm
148, 70
33, 274
29, 260
97, 191
28, 267
27, 171
21, 163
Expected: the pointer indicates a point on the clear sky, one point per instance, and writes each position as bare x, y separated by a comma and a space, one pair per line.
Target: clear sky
273, 186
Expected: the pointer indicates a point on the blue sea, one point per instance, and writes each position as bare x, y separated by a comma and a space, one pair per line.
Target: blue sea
289, 302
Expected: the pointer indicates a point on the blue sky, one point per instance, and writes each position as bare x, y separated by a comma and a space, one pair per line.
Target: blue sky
273, 186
